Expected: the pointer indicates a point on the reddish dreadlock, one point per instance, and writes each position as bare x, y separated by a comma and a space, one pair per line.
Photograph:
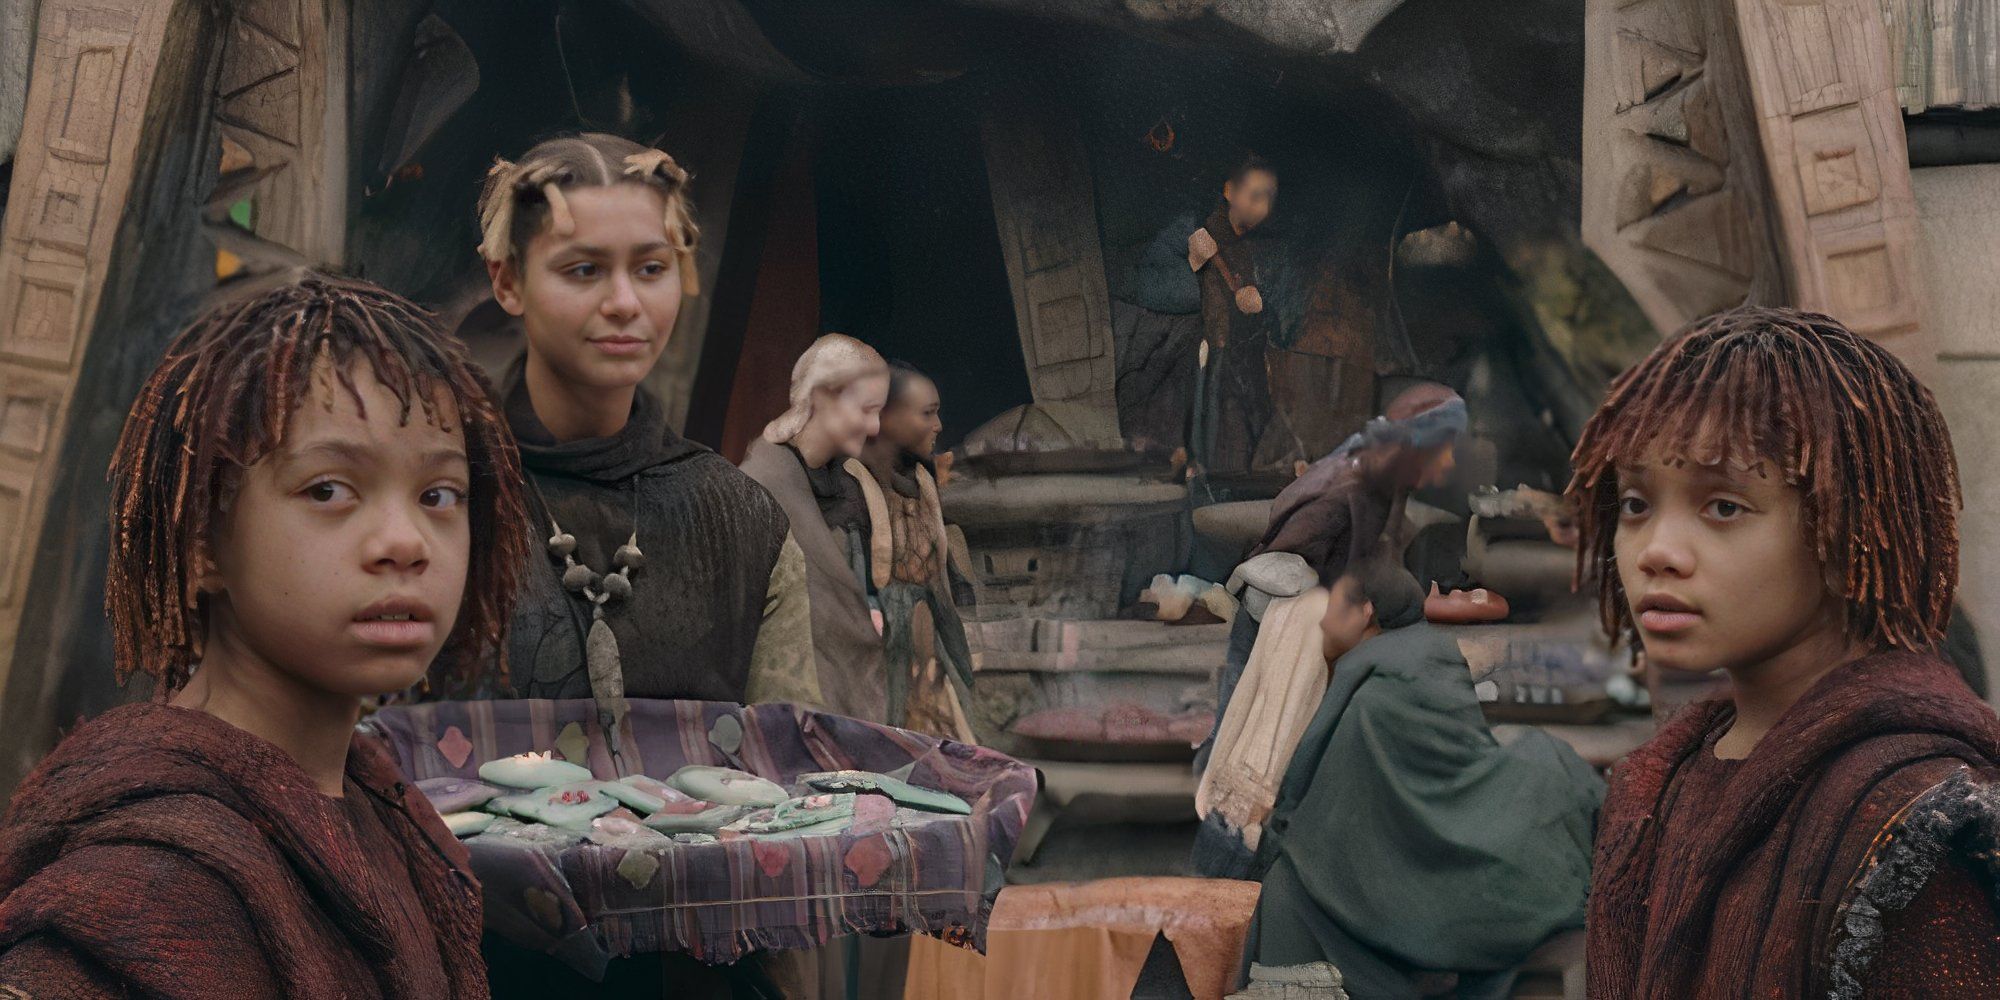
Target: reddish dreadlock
1846, 423
221, 401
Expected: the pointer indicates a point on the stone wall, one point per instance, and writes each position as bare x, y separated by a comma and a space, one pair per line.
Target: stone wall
1958, 255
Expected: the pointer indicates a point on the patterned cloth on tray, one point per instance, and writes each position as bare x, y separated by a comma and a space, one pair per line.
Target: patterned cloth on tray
586, 903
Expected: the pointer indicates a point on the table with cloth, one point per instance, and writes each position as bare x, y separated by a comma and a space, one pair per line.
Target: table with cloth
586, 903
1091, 940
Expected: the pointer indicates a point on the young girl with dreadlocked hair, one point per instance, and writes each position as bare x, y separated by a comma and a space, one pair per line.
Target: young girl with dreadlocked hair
663, 572
1771, 495
312, 499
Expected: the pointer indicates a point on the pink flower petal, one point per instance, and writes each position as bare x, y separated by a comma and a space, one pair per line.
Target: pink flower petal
868, 859
772, 858
873, 813
455, 747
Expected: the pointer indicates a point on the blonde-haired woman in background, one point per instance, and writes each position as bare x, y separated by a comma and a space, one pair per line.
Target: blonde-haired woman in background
808, 458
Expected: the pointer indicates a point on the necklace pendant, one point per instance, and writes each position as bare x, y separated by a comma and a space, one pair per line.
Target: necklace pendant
628, 557
607, 677
561, 544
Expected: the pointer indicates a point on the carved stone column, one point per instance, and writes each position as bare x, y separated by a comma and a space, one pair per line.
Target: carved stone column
1750, 151
1832, 132
92, 77
157, 134
1046, 208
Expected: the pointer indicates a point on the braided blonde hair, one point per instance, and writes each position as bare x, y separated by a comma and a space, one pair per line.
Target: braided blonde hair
833, 362
518, 199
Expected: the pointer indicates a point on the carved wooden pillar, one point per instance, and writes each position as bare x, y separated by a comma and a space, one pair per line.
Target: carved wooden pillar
93, 73
1045, 206
1749, 151
105, 73
1673, 185
282, 108
1832, 131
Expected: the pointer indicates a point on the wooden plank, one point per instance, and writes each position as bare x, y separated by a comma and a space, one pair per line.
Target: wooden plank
92, 77
1830, 127
1673, 182
1045, 209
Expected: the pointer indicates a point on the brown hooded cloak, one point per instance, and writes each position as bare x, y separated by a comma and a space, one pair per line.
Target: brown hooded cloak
162, 852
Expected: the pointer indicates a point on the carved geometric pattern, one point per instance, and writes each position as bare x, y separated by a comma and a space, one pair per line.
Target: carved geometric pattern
92, 76
29, 406
63, 209
47, 313
1757, 161
1667, 203
1046, 213
86, 111
1836, 166
278, 18
251, 57
1831, 131
259, 111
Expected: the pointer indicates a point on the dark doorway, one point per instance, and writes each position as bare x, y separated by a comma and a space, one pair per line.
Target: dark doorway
909, 260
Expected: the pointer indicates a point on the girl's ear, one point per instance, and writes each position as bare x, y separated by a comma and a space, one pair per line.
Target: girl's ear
506, 279
204, 577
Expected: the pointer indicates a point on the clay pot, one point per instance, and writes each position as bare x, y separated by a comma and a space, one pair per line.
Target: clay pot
1464, 607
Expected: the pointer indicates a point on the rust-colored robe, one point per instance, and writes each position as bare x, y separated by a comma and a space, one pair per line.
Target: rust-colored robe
162, 852
1852, 854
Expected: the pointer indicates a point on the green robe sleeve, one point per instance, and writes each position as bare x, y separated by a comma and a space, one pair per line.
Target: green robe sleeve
782, 667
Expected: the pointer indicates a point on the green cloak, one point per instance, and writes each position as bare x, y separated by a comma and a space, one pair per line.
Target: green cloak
1404, 828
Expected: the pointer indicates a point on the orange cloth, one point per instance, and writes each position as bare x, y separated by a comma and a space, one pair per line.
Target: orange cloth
940, 971
1088, 941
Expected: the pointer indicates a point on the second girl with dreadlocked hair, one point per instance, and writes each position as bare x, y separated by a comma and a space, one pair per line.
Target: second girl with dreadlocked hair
312, 500
1771, 495
662, 571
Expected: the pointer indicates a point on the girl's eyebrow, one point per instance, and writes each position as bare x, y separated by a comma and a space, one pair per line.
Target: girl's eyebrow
337, 450
438, 458
591, 250
349, 452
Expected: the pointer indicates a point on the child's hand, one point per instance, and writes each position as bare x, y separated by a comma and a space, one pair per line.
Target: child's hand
1249, 300
1201, 247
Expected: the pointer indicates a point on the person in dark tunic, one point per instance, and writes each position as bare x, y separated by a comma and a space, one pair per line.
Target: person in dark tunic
313, 502
1335, 516
1233, 404
929, 662
687, 564
1772, 495
809, 458
660, 571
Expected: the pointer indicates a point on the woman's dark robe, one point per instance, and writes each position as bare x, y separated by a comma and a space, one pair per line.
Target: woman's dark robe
1853, 853
1238, 391
162, 852
844, 640
718, 612
1333, 516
